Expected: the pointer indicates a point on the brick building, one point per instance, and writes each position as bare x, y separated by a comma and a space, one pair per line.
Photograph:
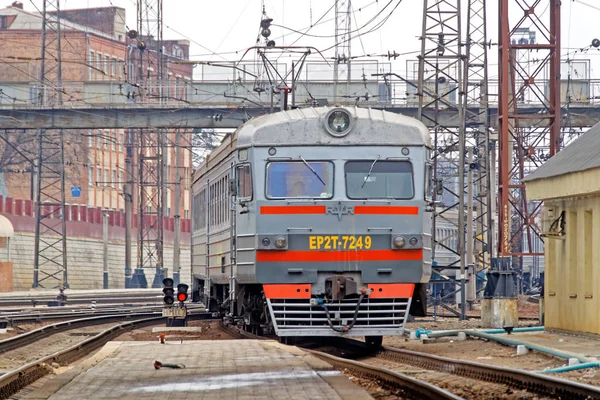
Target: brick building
95, 49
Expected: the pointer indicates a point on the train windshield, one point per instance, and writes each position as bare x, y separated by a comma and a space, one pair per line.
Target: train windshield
377, 179
299, 179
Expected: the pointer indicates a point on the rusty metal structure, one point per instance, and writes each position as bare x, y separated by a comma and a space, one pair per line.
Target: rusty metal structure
50, 249
521, 82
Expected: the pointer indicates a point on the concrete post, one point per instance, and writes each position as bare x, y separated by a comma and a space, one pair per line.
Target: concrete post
105, 248
128, 194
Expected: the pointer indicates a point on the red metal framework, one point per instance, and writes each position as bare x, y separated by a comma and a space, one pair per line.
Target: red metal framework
525, 139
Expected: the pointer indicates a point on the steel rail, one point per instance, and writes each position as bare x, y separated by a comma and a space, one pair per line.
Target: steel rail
413, 388
50, 314
45, 331
514, 378
13, 381
28, 301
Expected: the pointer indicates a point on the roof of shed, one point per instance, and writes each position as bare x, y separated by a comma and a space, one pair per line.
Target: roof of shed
581, 155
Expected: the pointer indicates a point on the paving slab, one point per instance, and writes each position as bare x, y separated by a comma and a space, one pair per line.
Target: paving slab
214, 370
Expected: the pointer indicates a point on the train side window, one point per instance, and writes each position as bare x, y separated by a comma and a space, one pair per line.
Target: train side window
244, 181
428, 181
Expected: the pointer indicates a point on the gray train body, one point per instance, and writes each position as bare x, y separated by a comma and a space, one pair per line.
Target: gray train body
314, 222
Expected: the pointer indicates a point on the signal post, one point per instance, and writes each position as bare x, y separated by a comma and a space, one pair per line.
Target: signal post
176, 313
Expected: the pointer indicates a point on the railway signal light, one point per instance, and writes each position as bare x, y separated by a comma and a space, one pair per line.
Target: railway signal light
168, 291
182, 292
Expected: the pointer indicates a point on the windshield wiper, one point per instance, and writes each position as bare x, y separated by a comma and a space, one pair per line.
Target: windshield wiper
312, 170
369, 174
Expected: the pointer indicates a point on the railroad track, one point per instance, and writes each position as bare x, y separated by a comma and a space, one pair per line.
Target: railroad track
513, 379
409, 387
516, 379
15, 380
72, 313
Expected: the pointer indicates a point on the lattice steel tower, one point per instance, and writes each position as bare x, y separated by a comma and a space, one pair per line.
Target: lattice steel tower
440, 88
151, 155
50, 251
343, 36
481, 185
525, 141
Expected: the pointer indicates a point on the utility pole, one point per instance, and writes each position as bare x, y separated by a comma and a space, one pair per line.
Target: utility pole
440, 79
128, 194
105, 249
50, 249
176, 207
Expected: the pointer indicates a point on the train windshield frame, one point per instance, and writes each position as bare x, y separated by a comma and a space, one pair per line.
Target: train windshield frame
304, 179
379, 179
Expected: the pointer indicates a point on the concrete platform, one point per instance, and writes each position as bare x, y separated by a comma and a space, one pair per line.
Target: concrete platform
229, 369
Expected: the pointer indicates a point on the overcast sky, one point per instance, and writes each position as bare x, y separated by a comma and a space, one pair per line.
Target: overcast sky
223, 29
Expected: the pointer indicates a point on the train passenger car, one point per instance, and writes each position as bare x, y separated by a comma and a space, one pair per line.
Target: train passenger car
316, 222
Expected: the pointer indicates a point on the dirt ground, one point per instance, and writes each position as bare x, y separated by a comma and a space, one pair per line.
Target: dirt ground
210, 330
526, 309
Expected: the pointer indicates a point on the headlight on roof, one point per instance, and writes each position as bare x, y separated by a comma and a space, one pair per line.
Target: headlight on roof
338, 122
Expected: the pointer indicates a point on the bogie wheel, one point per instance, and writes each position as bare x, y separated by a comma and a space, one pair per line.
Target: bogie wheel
374, 341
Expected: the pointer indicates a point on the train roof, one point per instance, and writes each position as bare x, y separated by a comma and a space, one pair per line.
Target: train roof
305, 126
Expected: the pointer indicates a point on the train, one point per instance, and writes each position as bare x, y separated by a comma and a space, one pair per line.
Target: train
316, 222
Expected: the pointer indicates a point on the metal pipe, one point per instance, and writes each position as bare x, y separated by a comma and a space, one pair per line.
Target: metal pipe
568, 368
504, 340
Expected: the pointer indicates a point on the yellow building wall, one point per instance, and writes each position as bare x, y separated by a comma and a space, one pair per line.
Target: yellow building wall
572, 265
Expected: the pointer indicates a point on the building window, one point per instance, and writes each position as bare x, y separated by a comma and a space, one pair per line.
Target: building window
106, 178
107, 65
121, 180
106, 135
121, 141
99, 63
114, 178
99, 138
90, 176
186, 214
120, 68
92, 63
90, 138
98, 176
113, 141
168, 211
3, 21
114, 67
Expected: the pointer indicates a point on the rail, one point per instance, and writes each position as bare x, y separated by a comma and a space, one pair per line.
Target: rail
413, 388
519, 379
13, 381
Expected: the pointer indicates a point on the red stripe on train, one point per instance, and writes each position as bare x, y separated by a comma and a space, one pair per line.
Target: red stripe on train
339, 256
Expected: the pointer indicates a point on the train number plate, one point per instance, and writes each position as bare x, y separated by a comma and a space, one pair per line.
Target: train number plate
174, 312
342, 242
